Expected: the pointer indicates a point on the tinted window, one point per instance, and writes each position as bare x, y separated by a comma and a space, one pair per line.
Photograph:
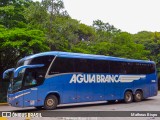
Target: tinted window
152, 68
62, 65
46, 60
144, 68
83, 65
100, 66
116, 67
130, 68
42, 60
66, 65
30, 78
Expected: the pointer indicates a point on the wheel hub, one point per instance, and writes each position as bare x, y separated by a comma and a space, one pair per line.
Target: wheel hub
138, 96
128, 97
50, 102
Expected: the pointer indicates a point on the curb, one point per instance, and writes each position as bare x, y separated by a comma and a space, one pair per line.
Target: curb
3, 104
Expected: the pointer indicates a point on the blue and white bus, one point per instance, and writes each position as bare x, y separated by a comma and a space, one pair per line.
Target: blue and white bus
52, 78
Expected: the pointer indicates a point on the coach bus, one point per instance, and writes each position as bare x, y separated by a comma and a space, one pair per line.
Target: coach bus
52, 78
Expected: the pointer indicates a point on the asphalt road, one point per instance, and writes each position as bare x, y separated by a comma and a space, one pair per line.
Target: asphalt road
150, 104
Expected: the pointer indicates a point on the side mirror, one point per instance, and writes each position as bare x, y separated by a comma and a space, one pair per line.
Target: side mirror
16, 72
7, 72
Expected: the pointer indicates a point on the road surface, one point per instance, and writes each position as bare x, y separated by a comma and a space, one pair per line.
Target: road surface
150, 104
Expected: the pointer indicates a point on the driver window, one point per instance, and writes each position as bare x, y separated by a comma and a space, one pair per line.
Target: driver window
30, 79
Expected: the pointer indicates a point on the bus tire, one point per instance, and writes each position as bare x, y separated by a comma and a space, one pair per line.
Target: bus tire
138, 96
128, 97
50, 102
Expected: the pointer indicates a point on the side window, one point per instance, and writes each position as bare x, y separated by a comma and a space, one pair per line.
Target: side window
100, 66
149, 68
141, 68
116, 67
152, 68
130, 67
42, 60
134, 68
83, 65
62, 65
30, 77
125, 68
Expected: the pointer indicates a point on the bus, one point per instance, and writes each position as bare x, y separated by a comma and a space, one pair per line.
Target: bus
47, 79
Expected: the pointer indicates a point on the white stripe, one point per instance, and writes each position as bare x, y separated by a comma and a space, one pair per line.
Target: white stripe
130, 78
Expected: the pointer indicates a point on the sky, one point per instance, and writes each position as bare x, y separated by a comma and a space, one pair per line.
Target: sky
128, 15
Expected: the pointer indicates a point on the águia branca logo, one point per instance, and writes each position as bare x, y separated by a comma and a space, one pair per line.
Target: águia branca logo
99, 78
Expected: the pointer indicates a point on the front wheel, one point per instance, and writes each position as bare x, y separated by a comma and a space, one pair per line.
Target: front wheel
138, 96
128, 97
50, 102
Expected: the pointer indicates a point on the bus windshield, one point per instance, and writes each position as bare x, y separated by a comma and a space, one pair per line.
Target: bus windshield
16, 83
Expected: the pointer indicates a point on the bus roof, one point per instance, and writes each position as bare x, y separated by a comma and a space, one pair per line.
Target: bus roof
85, 56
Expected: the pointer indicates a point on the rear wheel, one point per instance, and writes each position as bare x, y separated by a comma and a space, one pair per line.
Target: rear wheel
50, 102
128, 97
138, 96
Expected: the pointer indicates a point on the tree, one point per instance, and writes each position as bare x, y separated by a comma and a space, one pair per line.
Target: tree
36, 16
85, 33
124, 46
54, 7
101, 26
6, 2
151, 42
105, 31
17, 43
11, 12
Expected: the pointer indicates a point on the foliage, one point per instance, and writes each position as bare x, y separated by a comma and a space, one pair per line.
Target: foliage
17, 43
11, 12
151, 42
